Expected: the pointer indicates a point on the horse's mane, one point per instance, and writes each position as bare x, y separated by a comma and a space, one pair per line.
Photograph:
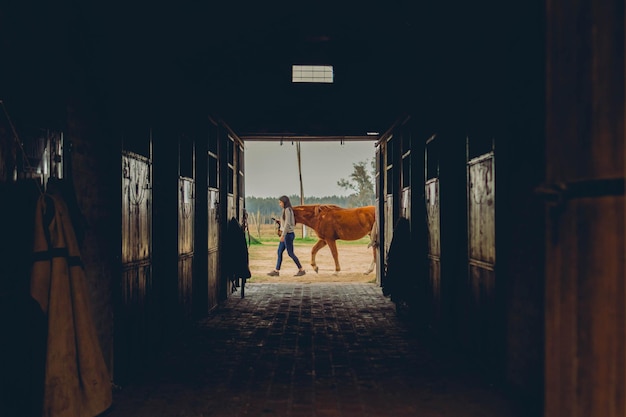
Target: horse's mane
326, 207
321, 208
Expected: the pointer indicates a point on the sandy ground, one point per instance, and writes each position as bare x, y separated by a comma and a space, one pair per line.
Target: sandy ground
354, 259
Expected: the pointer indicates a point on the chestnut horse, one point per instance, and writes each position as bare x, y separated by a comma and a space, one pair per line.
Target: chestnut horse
332, 223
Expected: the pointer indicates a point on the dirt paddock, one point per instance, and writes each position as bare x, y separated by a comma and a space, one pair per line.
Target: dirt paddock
354, 259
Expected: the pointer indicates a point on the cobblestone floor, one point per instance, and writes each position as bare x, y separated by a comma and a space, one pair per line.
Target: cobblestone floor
314, 350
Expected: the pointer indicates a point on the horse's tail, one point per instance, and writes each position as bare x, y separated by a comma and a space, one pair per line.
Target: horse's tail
373, 236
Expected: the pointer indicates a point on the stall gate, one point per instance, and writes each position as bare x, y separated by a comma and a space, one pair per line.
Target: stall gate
186, 224
380, 218
406, 173
388, 191
396, 158
230, 177
231, 200
433, 220
213, 221
482, 315
133, 316
213, 250
235, 198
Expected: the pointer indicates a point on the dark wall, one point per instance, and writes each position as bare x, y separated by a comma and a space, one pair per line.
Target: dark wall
479, 71
23, 324
93, 166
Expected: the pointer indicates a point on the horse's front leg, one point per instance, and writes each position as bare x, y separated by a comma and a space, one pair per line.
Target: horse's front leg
332, 245
319, 245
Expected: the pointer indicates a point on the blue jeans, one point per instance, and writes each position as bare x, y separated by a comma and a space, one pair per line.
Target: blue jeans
287, 244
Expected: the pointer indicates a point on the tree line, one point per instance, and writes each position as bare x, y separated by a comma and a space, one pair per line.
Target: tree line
267, 207
360, 182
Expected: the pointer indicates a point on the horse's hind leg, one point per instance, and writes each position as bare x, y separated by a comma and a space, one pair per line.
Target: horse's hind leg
319, 245
332, 245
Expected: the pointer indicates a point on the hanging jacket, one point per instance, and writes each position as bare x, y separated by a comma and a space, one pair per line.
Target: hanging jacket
236, 251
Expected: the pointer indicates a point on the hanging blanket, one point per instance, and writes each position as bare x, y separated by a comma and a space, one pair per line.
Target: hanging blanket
77, 382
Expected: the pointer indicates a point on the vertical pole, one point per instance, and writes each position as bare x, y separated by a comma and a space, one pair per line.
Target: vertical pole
299, 155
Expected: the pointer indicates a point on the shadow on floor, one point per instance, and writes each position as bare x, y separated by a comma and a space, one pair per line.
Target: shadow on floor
335, 350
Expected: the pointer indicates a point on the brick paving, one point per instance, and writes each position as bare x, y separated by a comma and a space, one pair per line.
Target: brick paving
306, 350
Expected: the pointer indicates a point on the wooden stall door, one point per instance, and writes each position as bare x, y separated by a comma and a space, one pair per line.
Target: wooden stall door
434, 244
186, 223
405, 173
241, 194
481, 329
388, 192
380, 218
133, 314
213, 220
433, 220
213, 251
231, 197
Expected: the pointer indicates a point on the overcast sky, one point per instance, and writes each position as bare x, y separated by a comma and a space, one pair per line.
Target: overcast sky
272, 168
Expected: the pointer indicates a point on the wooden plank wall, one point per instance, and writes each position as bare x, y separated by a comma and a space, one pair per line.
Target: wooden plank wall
585, 373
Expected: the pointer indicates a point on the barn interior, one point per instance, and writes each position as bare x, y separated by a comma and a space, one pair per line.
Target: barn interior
500, 137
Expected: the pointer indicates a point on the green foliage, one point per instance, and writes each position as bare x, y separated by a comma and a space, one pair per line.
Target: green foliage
254, 241
362, 183
267, 207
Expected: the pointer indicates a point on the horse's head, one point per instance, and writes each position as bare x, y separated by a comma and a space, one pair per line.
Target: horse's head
305, 214
308, 213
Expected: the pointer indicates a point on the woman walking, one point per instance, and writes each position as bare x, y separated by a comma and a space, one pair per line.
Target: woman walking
287, 226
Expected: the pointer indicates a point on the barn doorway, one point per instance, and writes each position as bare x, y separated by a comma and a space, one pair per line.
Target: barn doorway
340, 172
